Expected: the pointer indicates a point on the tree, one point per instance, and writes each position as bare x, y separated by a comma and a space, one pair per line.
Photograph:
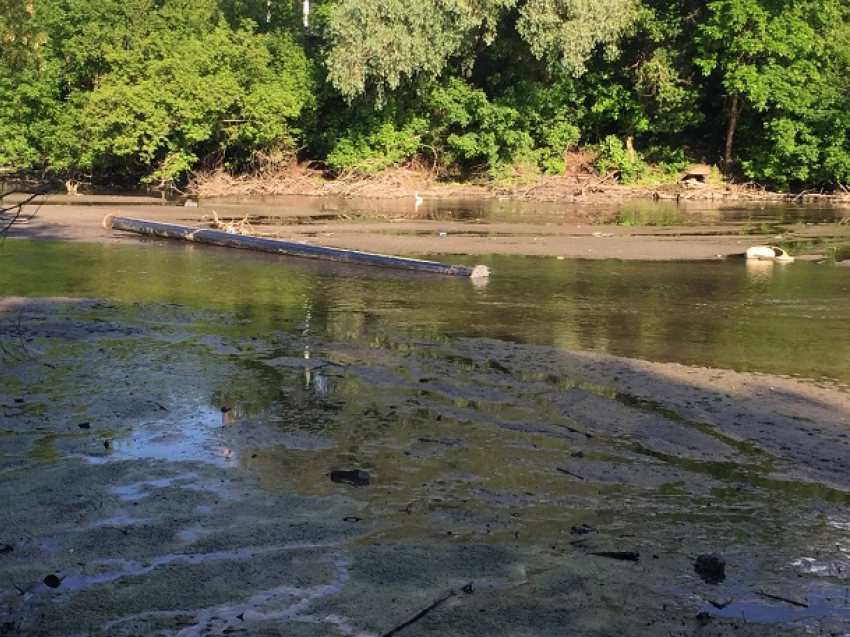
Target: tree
148, 88
567, 32
776, 63
380, 44
19, 36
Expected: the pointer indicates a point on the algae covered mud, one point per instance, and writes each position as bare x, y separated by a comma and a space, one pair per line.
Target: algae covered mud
170, 459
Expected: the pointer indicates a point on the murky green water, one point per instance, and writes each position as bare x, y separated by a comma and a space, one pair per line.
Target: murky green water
785, 319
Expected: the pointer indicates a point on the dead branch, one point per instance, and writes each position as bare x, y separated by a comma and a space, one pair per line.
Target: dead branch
779, 598
597, 183
425, 611
14, 213
569, 473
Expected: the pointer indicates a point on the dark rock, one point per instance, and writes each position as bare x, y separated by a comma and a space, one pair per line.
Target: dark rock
711, 568
354, 477
582, 529
53, 580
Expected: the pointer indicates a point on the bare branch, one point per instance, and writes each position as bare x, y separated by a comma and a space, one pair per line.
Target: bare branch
13, 213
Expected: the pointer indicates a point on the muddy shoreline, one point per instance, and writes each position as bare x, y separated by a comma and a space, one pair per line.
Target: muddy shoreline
512, 489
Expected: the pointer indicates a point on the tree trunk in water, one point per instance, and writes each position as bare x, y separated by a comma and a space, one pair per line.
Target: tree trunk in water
735, 111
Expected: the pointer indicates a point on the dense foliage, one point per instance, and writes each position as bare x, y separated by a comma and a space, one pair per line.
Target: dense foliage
153, 89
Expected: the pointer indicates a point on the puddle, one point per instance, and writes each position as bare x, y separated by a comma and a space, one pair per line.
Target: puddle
280, 604
819, 606
199, 439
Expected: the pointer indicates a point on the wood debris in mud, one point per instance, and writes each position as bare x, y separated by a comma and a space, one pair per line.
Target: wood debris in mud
467, 588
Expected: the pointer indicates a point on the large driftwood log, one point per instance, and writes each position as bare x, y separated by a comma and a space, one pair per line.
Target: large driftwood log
276, 246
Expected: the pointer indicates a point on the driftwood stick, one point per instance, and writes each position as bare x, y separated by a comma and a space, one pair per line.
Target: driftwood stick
626, 556
424, 611
569, 473
783, 599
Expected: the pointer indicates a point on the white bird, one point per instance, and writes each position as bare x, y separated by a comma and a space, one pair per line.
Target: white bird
417, 199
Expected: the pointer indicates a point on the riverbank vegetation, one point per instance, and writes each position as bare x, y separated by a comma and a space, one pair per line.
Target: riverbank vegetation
496, 90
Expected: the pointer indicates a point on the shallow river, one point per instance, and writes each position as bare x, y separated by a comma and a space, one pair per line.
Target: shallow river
172, 445
733, 314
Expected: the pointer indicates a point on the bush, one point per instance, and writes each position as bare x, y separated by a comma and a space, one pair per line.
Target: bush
615, 157
371, 151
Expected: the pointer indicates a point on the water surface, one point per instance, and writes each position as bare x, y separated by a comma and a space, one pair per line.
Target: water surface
778, 318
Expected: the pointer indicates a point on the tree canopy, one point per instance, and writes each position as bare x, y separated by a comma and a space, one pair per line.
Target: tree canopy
154, 89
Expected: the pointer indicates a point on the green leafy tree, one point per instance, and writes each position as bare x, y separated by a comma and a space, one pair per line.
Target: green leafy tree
148, 88
568, 31
472, 131
382, 43
19, 35
779, 65
378, 141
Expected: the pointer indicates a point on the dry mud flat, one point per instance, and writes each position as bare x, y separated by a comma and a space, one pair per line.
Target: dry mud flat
511, 490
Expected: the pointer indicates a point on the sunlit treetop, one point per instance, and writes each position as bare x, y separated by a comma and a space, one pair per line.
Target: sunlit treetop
19, 38
382, 43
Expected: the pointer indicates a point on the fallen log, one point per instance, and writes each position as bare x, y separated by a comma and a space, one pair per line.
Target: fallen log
276, 246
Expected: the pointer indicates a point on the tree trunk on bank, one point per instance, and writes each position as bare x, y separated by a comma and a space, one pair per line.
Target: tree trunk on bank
734, 113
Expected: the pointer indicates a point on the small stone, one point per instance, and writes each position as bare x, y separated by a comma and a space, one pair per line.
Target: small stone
53, 580
582, 529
